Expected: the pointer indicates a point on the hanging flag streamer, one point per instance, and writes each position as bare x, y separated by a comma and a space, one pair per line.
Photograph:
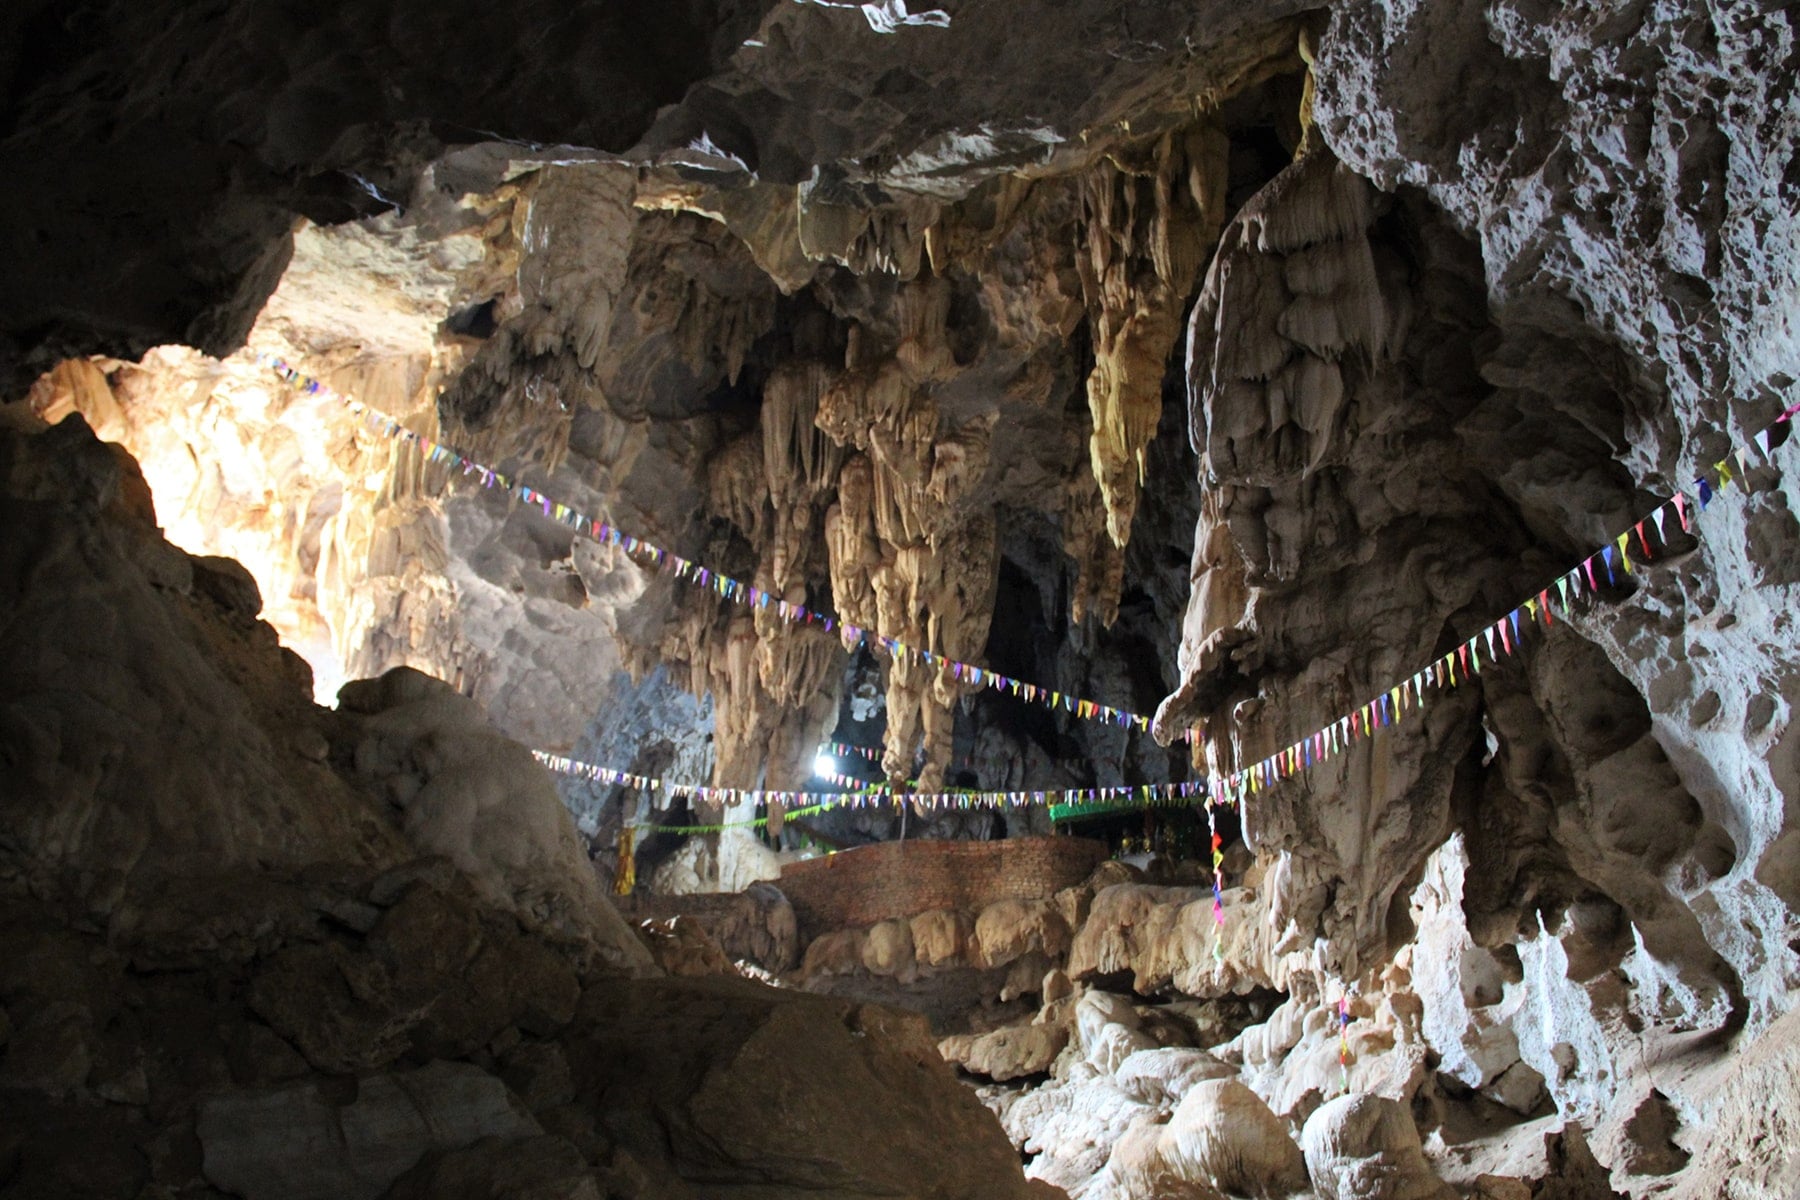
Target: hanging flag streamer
878, 795
850, 781
1343, 1014
1218, 881
1503, 637
654, 557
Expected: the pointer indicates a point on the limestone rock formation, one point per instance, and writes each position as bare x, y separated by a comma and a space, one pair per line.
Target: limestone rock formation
1362, 1147
881, 310
1221, 1137
471, 795
290, 1143
358, 953
1009, 1053
158, 732
681, 947
847, 1075
756, 925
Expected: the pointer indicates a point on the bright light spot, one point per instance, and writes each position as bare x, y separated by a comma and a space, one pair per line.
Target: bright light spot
824, 764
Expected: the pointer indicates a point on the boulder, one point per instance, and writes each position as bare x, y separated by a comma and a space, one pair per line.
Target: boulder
756, 925
1224, 1134
296, 1143
1162, 1077
435, 975
1008, 1053
836, 953
1111, 1045
1220, 1140
690, 1076
1072, 1127
536, 1168
681, 946
1364, 1147
888, 950
761, 928
941, 937
1010, 929
470, 794
1138, 1170
1107, 1026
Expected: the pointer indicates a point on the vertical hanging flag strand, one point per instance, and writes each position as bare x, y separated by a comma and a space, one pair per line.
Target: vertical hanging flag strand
1344, 1038
1218, 861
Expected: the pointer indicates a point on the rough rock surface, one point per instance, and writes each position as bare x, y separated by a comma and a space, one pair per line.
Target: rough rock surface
368, 961
290, 1143
848, 1076
154, 727
1221, 1136
474, 796
1363, 1147
756, 925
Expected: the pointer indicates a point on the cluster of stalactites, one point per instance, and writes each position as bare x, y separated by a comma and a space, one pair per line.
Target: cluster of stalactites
774, 682
1150, 213
911, 557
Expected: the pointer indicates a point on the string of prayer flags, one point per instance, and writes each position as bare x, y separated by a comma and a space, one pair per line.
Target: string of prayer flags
872, 795
655, 557
1505, 636
838, 749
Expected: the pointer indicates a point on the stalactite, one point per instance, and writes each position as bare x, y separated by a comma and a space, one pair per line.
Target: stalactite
1099, 562
912, 553
1150, 212
1217, 614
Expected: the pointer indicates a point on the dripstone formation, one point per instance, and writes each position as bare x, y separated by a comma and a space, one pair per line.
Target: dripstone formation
1225, 364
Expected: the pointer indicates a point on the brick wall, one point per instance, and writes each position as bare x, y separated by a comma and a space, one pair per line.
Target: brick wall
902, 879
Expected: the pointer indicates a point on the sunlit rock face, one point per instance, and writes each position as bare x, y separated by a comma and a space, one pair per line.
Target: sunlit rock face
1226, 363
367, 556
